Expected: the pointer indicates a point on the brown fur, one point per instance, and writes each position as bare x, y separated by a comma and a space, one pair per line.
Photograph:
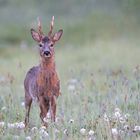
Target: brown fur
42, 82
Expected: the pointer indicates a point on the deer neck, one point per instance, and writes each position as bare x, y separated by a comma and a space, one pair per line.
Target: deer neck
46, 71
47, 65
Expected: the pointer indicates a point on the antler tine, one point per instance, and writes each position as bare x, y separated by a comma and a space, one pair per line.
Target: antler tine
51, 26
39, 26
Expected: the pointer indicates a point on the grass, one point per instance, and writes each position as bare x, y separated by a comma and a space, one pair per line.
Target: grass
98, 65
95, 78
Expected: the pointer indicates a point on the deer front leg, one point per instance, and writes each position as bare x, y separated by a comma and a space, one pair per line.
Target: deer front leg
44, 107
53, 108
28, 102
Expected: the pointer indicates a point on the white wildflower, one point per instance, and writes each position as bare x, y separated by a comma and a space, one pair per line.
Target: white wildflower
46, 120
73, 81
91, 133
57, 120
126, 127
28, 138
23, 104
65, 131
83, 131
121, 131
127, 116
3, 108
71, 88
11, 125
117, 110
122, 120
137, 128
56, 131
2, 124
43, 133
91, 138
16, 124
71, 121
34, 129
114, 131
48, 114
117, 114
106, 118
20, 125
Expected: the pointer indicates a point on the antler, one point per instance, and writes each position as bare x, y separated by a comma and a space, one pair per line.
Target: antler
39, 27
51, 27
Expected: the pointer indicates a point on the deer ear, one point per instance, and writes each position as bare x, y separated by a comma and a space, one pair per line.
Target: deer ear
57, 35
35, 35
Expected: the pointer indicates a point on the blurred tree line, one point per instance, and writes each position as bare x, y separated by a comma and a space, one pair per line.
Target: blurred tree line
77, 16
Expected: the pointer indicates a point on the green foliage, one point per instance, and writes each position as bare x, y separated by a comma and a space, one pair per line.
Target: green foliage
95, 79
82, 21
97, 60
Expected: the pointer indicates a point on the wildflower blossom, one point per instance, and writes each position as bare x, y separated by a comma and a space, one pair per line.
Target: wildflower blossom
126, 116
34, 129
91, 138
73, 81
126, 127
57, 120
137, 128
46, 120
11, 125
114, 131
3, 108
65, 131
48, 115
23, 104
44, 134
56, 131
117, 110
106, 118
121, 131
20, 125
28, 138
71, 121
117, 114
71, 88
122, 120
91, 133
83, 131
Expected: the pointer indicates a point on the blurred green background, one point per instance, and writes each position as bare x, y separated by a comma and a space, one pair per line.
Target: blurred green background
82, 21
100, 50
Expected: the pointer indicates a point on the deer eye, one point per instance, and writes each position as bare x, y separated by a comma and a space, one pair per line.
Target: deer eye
51, 45
40, 45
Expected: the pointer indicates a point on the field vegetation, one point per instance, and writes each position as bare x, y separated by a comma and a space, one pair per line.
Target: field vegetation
98, 61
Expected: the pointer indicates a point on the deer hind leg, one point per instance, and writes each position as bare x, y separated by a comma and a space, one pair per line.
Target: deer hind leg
53, 108
28, 102
44, 107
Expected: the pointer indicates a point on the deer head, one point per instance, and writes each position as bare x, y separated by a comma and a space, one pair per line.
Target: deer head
46, 42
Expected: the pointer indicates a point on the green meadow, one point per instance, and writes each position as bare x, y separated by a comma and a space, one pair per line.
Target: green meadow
98, 62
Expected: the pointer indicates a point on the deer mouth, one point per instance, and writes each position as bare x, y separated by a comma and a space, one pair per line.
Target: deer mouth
47, 56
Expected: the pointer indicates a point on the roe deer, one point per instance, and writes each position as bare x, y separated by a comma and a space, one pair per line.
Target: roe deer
42, 82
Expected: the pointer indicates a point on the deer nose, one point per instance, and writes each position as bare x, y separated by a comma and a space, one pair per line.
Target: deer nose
47, 53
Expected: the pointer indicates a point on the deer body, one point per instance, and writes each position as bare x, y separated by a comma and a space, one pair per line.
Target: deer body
41, 82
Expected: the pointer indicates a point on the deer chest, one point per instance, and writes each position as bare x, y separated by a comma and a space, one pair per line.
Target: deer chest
48, 83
